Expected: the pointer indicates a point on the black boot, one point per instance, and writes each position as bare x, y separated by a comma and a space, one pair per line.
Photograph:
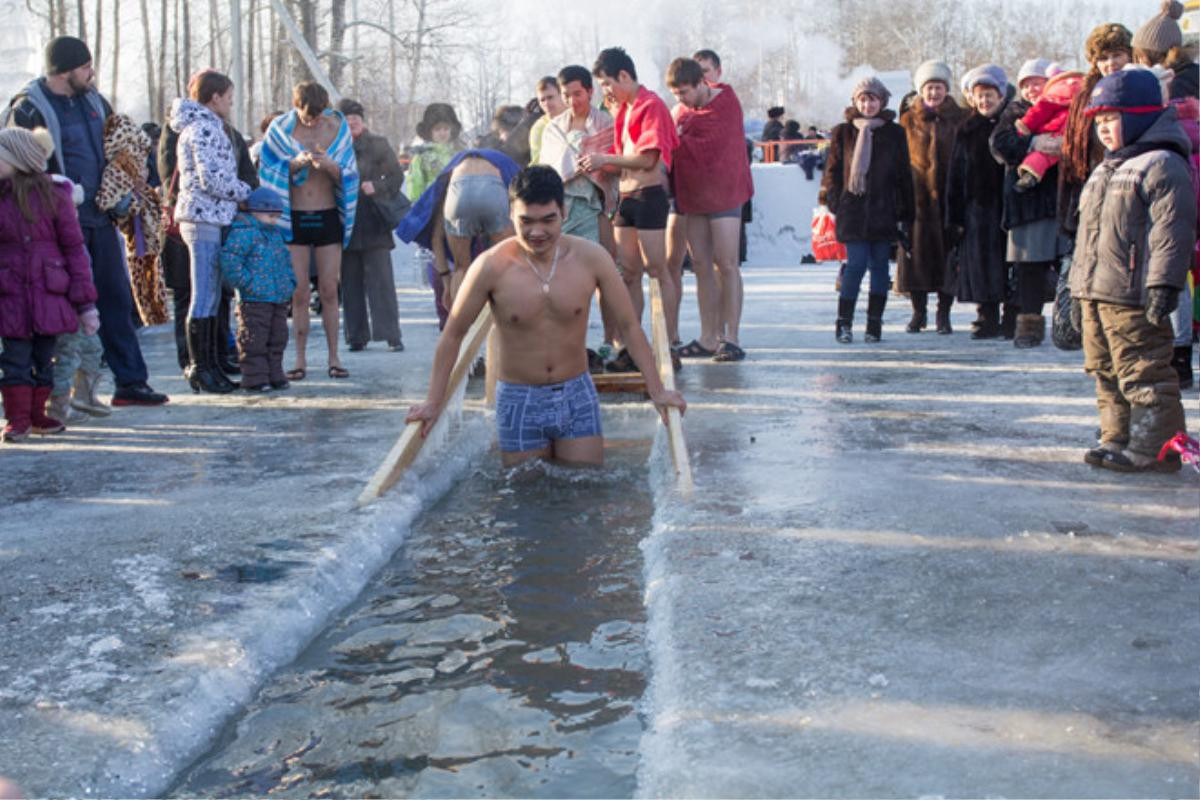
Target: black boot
920, 317
220, 336
1182, 362
943, 313
202, 373
845, 320
990, 329
875, 304
1008, 321
226, 358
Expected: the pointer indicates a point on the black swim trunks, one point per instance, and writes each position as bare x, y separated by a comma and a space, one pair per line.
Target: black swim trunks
645, 209
317, 228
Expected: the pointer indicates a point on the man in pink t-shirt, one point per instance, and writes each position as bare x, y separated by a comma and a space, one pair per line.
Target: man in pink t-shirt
642, 146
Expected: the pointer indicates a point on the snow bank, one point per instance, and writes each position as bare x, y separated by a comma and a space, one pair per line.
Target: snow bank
783, 201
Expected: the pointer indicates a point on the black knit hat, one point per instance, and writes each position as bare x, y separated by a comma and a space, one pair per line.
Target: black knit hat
66, 53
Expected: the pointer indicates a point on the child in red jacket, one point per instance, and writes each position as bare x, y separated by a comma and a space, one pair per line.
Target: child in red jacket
46, 284
1048, 116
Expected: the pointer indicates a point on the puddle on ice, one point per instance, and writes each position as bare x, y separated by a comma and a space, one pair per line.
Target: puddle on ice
501, 652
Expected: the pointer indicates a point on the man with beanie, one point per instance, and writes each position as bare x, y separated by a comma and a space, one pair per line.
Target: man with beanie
1137, 230
65, 102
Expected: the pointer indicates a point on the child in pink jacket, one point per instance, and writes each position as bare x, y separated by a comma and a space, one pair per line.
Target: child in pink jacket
1048, 116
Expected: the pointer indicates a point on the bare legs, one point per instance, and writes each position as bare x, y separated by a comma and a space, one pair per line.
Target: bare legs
644, 249
677, 244
714, 246
329, 268
585, 451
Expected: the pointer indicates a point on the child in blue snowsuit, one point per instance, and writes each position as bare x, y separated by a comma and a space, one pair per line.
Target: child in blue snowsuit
254, 260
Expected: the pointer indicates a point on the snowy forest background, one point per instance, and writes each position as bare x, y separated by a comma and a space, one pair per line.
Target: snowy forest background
397, 55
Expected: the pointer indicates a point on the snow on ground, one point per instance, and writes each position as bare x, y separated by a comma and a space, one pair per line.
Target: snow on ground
781, 229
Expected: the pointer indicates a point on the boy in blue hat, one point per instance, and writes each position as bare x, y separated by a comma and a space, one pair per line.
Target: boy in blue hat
255, 261
1137, 229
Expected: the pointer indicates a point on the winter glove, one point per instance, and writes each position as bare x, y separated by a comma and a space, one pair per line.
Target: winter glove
904, 234
1077, 315
1161, 302
121, 209
89, 322
1047, 144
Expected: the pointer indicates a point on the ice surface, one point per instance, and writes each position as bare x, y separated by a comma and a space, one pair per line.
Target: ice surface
871, 593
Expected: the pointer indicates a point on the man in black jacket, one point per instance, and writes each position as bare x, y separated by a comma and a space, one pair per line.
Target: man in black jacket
66, 102
367, 279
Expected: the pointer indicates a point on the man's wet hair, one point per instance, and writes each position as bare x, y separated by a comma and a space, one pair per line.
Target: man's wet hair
537, 184
575, 72
547, 82
310, 96
708, 55
684, 72
611, 61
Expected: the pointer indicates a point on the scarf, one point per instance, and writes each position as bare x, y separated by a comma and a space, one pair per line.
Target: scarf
861, 162
279, 148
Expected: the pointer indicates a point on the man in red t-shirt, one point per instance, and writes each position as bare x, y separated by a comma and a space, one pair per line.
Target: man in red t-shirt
642, 146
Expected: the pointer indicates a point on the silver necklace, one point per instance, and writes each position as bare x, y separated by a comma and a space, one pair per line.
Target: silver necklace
553, 268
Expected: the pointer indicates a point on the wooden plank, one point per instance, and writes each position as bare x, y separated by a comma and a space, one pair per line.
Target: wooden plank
406, 449
662, 355
611, 382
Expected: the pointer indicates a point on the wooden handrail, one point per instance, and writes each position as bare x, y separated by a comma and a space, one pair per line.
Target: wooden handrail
662, 355
408, 446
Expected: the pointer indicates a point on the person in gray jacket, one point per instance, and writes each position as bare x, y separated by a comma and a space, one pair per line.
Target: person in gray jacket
1137, 230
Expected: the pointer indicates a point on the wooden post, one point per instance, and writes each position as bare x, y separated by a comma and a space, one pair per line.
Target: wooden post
662, 355
409, 445
493, 368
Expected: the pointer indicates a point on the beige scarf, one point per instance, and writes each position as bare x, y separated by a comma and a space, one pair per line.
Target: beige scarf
861, 162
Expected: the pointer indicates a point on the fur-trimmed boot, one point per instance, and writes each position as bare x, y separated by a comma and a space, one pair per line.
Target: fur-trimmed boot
875, 306
42, 422
86, 398
845, 321
17, 400
1031, 330
61, 409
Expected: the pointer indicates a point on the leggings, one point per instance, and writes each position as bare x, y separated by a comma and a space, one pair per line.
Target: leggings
204, 247
860, 257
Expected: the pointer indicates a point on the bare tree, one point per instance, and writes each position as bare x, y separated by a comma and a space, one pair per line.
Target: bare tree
116, 56
82, 15
149, 56
98, 44
160, 106
336, 59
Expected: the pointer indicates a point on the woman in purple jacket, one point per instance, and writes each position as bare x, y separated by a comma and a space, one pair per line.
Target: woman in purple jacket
46, 284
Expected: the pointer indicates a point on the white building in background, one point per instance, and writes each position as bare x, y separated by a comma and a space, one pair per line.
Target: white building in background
18, 50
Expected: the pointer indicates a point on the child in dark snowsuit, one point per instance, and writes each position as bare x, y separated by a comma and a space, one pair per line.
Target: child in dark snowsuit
254, 260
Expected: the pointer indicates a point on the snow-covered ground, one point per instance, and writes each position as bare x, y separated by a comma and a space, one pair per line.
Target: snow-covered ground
896, 576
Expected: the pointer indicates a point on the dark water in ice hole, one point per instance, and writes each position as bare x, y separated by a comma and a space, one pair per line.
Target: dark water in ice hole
500, 653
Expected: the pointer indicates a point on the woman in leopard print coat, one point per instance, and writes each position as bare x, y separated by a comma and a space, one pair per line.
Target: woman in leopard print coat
125, 192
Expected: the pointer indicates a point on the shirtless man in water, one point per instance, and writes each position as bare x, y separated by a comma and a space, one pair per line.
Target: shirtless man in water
317, 228
644, 140
540, 285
